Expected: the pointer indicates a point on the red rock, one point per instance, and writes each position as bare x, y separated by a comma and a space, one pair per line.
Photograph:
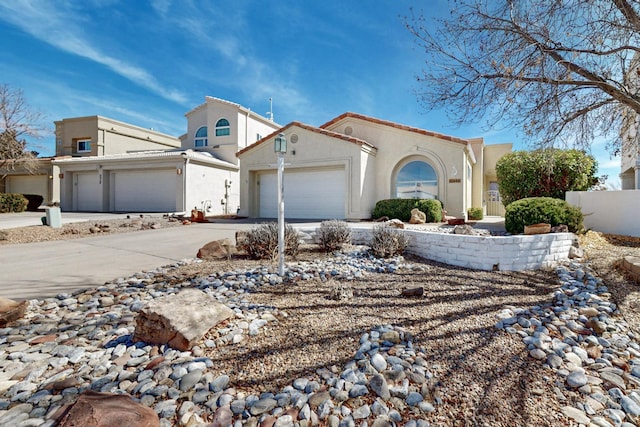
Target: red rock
11, 310
217, 249
154, 362
43, 339
107, 410
268, 422
222, 417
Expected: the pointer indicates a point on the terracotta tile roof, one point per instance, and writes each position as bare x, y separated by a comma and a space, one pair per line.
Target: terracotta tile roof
357, 141
394, 125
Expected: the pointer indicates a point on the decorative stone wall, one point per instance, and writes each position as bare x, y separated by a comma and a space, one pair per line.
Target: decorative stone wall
506, 253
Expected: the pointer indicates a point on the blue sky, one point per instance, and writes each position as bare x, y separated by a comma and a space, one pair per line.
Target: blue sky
149, 62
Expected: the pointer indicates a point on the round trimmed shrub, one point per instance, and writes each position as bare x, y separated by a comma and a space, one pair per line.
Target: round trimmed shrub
401, 209
535, 210
475, 214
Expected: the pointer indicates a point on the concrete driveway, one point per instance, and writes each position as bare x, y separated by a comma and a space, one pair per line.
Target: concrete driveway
44, 269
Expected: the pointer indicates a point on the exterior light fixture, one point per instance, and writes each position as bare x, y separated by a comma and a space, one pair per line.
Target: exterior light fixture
280, 144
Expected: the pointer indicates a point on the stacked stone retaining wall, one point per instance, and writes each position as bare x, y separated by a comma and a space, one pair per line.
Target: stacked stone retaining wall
506, 253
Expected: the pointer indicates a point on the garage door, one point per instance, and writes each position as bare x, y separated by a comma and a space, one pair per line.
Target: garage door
87, 195
28, 184
145, 191
308, 194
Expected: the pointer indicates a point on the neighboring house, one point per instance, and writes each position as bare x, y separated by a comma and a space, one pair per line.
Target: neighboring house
342, 168
117, 167
42, 180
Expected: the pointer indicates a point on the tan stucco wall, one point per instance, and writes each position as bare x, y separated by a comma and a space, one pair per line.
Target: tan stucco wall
244, 126
108, 136
21, 179
397, 147
312, 151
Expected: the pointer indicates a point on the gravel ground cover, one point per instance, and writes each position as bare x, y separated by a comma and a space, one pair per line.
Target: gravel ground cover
41, 233
480, 374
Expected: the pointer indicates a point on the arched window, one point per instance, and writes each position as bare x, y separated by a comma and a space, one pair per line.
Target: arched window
201, 139
417, 180
222, 127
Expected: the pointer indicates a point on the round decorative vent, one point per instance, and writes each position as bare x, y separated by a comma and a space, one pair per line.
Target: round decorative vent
294, 138
348, 130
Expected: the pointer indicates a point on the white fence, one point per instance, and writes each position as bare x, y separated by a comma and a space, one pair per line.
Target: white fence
611, 212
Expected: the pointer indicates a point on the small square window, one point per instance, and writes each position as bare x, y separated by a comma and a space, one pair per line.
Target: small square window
84, 146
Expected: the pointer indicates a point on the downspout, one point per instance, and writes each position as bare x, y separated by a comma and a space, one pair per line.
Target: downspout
246, 129
184, 184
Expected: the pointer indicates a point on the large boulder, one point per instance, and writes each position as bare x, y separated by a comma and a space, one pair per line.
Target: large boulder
11, 310
417, 216
107, 410
179, 320
217, 249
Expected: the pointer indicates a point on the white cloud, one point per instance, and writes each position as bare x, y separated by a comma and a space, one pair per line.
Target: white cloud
55, 24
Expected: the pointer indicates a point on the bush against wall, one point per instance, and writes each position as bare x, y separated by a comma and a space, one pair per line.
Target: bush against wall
544, 173
535, 210
401, 209
387, 242
475, 214
10, 202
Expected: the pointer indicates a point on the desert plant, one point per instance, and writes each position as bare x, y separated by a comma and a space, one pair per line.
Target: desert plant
12, 202
401, 209
261, 242
535, 210
475, 214
387, 242
333, 234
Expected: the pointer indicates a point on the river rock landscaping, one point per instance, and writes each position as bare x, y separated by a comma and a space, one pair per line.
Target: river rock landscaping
477, 348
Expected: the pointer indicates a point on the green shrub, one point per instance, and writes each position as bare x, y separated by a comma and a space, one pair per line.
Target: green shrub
333, 234
387, 242
10, 202
401, 209
261, 242
475, 214
544, 173
535, 210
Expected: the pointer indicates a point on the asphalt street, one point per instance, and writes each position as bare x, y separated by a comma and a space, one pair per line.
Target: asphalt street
43, 269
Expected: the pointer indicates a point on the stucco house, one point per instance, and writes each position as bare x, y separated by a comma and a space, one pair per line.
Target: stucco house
343, 167
225, 163
103, 165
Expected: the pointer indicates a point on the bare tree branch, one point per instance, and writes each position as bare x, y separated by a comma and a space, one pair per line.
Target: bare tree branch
558, 69
17, 121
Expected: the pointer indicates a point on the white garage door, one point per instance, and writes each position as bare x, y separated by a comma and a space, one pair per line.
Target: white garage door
145, 191
86, 195
307, 194
28, 184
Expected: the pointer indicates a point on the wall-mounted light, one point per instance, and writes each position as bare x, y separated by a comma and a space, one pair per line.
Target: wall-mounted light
178, 171
60, 175
280, 144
